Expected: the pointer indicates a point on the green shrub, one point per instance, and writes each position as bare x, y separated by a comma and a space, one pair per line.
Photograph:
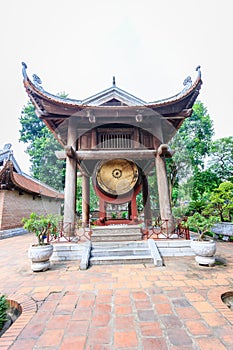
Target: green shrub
42, 225
3, 310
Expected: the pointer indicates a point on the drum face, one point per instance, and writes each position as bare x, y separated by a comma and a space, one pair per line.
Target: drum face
117, 177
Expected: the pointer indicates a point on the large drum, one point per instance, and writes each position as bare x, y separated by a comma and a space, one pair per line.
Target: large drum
117, 177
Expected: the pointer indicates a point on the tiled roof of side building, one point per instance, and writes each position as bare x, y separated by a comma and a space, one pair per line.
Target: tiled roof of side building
11, 179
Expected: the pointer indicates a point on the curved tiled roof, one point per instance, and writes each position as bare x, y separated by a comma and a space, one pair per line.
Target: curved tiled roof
112, 105
35, 88
9, 179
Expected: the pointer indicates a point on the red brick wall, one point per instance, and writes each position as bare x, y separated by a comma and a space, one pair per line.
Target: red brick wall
2, 194
13, 207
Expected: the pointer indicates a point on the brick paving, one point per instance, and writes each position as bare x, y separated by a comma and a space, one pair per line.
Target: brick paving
121, 307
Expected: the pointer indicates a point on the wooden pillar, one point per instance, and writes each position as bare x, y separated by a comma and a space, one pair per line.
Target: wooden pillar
146, 201
134, 211
93, 139
129, 211
163, 191
85, 201
102, 211
70, 182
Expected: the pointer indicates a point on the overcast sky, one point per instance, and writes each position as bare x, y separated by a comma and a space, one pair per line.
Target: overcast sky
150, 47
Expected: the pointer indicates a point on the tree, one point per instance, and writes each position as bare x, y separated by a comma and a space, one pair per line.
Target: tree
221, 202
41, 149
221, 158
201, 223
192, 144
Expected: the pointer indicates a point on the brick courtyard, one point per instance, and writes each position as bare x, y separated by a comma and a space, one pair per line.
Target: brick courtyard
130, 307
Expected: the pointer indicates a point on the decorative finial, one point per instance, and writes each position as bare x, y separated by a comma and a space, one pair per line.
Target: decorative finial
24, 70
24, 65
198, 69
113, 81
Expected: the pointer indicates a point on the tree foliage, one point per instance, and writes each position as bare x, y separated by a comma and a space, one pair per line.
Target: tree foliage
221, 202
221, 158
41, 149
203, 183
192, 144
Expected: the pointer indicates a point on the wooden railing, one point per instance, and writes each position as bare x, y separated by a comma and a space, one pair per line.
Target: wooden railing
66, 232
155, 229
159, 229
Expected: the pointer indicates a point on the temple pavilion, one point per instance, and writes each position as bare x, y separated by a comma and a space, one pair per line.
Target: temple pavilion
114, 140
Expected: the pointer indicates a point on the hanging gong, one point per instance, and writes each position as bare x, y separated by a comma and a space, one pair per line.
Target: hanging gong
117, 176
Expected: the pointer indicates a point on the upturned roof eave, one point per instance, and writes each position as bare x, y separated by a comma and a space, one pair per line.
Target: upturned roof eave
36, 91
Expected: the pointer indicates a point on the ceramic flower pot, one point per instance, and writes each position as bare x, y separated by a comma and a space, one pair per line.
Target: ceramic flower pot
40, 255
204, 251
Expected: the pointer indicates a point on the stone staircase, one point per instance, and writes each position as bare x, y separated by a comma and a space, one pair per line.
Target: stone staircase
129, 252
116, 233
119, 244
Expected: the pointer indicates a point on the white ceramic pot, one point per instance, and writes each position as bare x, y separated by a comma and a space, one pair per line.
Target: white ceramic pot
40, 255
204, 251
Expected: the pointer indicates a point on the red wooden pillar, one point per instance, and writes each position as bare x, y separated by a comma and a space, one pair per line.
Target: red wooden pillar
102, 211
134, 211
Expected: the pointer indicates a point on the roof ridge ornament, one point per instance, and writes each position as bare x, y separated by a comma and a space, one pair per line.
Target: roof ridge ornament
113, 81
37, 81
187, 84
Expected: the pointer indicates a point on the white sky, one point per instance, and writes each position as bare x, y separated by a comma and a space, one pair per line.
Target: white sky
150, 47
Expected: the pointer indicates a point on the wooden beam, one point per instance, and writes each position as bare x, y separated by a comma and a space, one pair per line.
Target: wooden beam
111, 154
164, 150
106, 154
70, 152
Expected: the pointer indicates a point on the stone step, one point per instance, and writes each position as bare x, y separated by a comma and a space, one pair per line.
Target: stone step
174, 248
116, 233
12, 232
67, 251
125, 253
120, 252
123, 244
113, 260
115, 229
103, 237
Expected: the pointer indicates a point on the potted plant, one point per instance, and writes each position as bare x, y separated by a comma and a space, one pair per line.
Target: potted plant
42, 226
204, 246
